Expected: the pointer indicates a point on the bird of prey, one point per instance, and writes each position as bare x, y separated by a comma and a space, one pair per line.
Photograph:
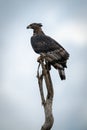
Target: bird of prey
55, 54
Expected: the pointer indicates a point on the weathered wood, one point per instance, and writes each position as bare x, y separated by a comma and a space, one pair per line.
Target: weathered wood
47, 103
40, 82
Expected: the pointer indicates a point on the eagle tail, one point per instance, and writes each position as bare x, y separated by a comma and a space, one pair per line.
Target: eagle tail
62, 74
60, 69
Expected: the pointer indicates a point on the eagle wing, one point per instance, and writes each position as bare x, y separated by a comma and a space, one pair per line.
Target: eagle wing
53, 52
45, 44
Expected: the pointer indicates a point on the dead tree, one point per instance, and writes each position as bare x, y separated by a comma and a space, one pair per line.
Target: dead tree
46, 102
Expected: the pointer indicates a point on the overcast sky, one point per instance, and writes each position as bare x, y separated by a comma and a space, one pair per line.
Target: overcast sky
20, 104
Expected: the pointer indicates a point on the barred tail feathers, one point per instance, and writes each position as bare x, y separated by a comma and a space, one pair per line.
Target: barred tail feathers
62, 74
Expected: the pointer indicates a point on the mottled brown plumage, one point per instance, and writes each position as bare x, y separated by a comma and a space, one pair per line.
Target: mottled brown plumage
54, 53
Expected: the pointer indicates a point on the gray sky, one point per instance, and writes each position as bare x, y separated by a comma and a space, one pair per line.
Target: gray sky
20, 104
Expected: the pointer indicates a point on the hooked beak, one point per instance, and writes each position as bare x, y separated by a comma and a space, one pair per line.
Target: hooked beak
28, 27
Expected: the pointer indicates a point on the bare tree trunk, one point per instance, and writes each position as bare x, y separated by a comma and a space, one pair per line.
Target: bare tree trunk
47, 103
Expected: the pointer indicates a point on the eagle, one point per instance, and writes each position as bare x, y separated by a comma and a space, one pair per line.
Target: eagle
54, 53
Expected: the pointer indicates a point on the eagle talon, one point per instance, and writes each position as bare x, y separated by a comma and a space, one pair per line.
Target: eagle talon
39, 58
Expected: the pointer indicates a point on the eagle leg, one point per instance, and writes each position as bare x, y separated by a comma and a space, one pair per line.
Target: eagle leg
48, 66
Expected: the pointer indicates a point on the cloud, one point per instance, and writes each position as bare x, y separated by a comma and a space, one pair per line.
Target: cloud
73, 33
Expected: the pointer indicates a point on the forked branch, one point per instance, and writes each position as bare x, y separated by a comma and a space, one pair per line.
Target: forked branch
47, 103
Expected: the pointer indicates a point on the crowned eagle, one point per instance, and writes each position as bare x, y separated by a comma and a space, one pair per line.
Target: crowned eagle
55, 54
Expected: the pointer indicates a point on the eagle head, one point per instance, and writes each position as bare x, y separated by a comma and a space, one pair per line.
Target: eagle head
34, 26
